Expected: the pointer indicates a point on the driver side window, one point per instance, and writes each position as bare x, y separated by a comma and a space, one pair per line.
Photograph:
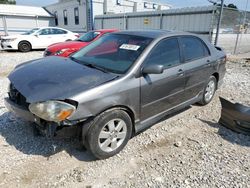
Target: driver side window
166, 53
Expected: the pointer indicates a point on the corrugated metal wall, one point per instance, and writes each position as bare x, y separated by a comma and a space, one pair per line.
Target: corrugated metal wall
198, 20
13, 25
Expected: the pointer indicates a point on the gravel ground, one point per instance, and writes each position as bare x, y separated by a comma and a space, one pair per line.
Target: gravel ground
187, 150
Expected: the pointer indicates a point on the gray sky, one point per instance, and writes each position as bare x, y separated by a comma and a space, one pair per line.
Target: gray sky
241, 4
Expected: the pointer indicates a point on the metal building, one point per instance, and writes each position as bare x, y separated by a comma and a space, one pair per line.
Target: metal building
76, 15
197, 20
17, 19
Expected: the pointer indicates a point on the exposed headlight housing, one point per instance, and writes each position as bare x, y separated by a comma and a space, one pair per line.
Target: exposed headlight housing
9, 40
55, 111
59, 52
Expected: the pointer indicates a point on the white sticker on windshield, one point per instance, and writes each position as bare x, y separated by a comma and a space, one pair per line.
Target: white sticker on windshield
129, 47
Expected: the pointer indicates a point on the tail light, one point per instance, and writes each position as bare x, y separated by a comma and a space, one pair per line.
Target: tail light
77, 35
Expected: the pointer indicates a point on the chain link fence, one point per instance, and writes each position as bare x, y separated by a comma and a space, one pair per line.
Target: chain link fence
234, 33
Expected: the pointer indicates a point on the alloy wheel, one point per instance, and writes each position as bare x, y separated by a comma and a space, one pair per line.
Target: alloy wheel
112, 135
209, 93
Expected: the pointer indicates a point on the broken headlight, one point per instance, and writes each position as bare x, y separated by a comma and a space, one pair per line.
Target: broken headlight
52, 110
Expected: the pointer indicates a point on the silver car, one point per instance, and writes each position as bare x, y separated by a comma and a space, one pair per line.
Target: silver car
117, 86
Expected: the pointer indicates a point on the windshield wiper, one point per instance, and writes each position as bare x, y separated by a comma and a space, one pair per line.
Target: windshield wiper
91, 65
96, 67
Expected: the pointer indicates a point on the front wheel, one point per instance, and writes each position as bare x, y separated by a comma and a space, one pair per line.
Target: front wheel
209, 91
109, 133
24, 46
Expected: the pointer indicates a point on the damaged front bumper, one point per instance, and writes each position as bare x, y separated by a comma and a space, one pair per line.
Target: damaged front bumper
19, 110
48, 129
235, 116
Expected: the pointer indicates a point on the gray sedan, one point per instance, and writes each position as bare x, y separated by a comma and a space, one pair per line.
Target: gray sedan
117, 86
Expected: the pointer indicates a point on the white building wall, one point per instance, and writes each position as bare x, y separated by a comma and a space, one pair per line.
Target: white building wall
13, 25
16, 19
98, 8
69, 6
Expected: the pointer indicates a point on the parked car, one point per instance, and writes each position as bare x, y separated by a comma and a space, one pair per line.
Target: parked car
65, 49
117, 86
37, 38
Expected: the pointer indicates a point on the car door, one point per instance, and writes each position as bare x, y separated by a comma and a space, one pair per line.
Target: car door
59, 35
43, 38
160, 92
197, 64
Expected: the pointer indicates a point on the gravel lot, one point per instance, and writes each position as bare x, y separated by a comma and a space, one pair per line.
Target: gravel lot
187, 150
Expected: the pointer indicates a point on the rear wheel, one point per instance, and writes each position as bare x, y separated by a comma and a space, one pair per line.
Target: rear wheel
109, 133
24, 46
209, 91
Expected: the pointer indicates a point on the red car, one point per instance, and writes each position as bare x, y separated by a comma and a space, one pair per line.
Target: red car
64, 49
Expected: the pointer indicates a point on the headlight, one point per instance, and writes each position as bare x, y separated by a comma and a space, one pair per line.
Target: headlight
59, 52
9, 40
52, 110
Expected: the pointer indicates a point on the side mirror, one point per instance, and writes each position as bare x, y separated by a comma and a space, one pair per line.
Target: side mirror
36, 34
153, 69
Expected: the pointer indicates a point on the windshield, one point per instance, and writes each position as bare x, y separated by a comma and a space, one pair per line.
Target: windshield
30, 31
88, 36
114, 53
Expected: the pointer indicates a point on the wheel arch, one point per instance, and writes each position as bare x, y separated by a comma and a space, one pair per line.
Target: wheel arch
217, 76
24, 41
124, 108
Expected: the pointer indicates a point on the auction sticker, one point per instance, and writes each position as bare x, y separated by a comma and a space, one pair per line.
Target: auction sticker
129, 47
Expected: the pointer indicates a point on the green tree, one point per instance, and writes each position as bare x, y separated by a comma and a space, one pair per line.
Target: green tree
7, 2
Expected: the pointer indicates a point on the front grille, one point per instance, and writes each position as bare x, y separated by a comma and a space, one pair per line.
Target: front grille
16, 97
47, 53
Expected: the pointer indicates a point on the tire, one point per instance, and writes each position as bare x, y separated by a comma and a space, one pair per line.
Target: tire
116, 128
24, 46
209, 91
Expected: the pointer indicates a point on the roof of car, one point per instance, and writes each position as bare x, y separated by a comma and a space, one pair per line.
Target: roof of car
50, 27
150, 33
106, 30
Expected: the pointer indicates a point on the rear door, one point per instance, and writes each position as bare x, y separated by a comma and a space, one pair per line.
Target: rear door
160, 92
59, 35
197, 64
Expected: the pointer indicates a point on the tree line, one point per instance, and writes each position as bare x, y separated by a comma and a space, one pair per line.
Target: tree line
8, 2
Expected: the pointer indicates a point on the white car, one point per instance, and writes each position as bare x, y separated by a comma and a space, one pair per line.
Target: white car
37, 38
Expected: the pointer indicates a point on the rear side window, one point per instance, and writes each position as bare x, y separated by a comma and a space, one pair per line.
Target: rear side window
58, 31
166, 53
193, 48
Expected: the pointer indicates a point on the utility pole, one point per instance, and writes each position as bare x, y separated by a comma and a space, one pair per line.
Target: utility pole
219, 23
89, 13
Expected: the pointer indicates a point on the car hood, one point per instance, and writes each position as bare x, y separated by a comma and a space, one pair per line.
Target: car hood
69, 44
55, 78
11, 37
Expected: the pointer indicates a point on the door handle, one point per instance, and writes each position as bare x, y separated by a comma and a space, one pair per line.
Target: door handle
180, 72
208, 65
